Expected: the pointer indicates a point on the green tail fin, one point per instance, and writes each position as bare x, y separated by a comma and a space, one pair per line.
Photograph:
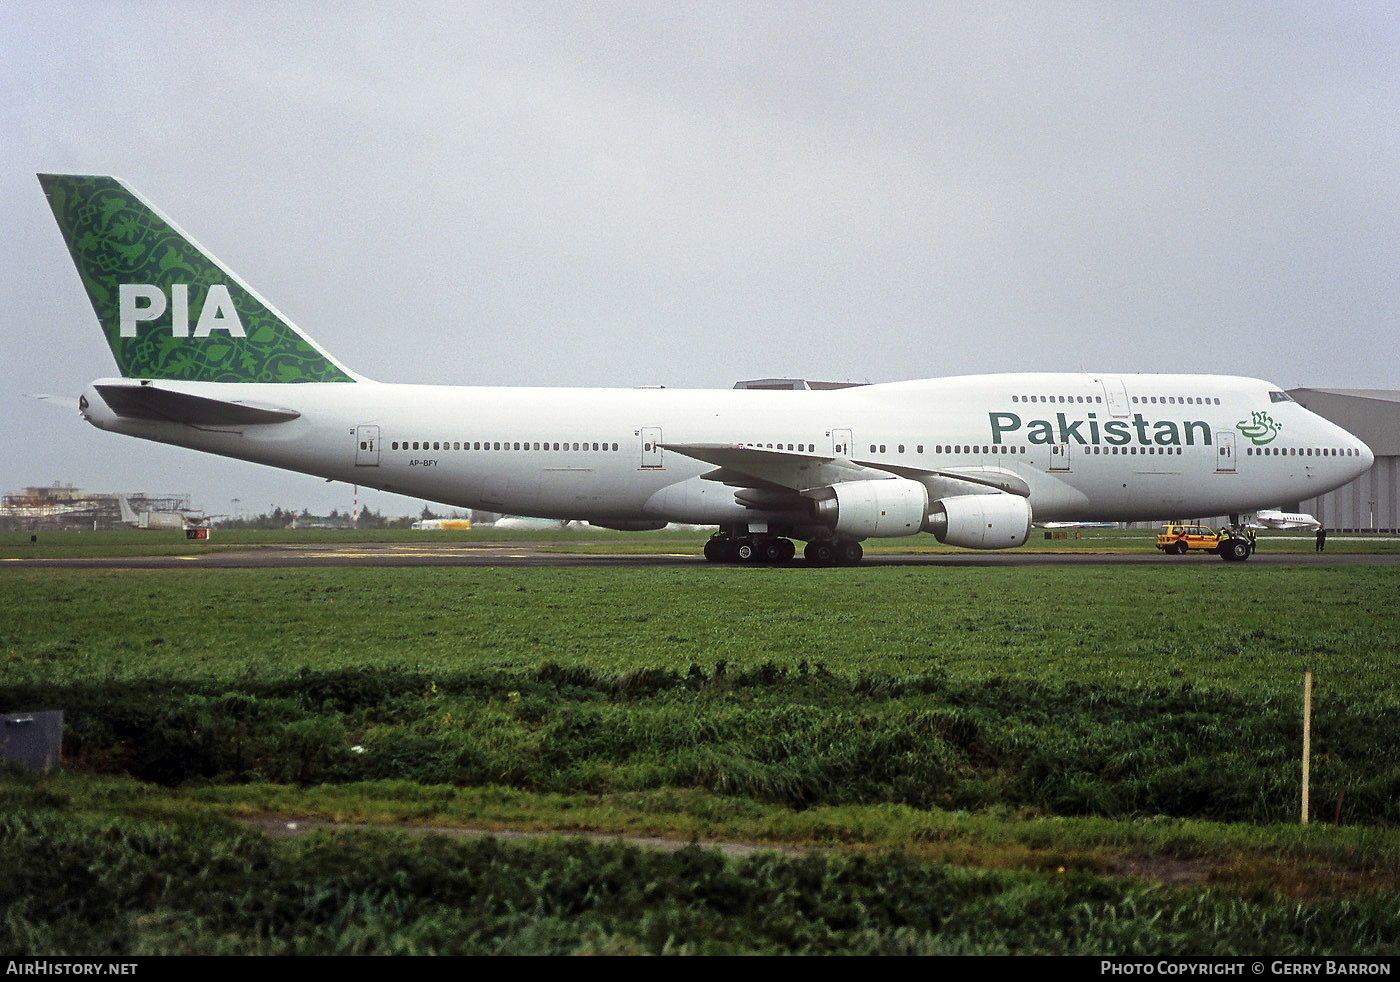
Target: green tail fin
169, 309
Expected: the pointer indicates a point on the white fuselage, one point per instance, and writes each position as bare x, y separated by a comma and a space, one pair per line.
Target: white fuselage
1089, 447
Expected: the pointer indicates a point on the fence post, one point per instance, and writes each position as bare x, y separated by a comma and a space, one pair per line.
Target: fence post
1307, 740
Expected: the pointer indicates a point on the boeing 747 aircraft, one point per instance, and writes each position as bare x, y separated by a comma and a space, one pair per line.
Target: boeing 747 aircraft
207, 363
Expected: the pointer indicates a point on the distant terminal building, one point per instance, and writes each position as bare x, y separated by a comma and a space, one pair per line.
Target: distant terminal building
63, 506
1372, 501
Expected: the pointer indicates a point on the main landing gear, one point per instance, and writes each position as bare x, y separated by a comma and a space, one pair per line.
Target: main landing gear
833, 552
769, 549
753, 549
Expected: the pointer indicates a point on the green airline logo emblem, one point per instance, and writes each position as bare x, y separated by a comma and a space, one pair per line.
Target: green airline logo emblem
1260, 428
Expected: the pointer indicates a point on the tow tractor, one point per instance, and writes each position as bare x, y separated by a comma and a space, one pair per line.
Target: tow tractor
1233, 544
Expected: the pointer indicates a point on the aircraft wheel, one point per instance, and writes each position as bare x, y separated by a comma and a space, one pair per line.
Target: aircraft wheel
819, 552
1234, 550
849, 553
788, 550
747, 552
773, 551
716, 549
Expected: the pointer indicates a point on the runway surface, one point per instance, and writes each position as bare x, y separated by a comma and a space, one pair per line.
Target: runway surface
539, 554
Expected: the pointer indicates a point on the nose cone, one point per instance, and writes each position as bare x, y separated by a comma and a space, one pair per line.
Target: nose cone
1366, 460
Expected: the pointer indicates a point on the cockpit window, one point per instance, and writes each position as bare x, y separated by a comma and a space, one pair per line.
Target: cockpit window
1280, 397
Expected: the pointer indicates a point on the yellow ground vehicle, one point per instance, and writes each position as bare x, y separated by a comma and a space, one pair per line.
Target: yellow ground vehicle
1178, 539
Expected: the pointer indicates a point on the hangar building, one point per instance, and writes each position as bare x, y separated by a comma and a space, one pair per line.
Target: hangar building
1372, 501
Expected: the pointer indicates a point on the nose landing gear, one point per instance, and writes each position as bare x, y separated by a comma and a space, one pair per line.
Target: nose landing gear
1238, 544
1236, 549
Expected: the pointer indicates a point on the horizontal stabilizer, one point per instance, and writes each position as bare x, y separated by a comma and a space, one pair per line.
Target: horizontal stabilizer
61, 402
149, 402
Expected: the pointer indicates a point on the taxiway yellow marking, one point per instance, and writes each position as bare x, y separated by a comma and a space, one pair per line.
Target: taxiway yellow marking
346, 555
377, 554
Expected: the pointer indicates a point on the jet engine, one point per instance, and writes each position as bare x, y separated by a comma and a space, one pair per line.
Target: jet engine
980, 521
898, 506
872, 509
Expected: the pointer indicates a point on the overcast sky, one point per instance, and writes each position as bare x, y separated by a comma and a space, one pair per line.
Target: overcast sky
580, 194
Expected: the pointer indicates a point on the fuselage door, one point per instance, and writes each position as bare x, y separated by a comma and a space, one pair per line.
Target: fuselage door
1059, 458
1224, 452
651, 448
841, 443
1115, 394
366, 446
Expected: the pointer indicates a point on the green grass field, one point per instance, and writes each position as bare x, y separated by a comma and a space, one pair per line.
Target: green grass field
1242, 630
586, 539
1110, 722
153, 542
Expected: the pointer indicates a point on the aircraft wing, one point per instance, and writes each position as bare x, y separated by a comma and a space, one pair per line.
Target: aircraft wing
779, 471
947, 481
786, 470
